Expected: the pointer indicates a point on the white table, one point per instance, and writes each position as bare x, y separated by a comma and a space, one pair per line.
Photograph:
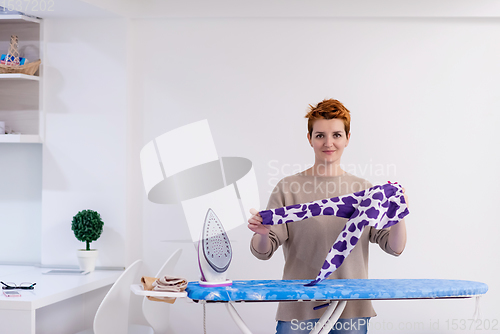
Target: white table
17, 314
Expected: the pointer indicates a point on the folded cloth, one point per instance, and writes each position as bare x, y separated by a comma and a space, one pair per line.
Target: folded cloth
170, 284
148, 283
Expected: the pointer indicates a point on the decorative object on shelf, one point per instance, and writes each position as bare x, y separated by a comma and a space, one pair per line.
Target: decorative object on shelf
87, 226
6, 130
13, 61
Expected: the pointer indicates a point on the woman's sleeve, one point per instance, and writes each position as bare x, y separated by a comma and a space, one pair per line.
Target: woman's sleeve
381, 237
278, 233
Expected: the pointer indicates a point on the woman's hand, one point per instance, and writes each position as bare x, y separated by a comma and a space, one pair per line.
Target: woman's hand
406, 199
397, 235
255, 223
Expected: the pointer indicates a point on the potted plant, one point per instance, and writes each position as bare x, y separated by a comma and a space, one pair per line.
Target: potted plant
87, 226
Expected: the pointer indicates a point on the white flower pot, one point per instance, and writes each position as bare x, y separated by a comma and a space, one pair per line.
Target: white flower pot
87, 258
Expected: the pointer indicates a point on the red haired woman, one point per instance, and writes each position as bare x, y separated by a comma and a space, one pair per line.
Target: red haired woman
306, 244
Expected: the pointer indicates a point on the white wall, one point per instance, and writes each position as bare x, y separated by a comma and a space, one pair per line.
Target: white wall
422, 93
84, 156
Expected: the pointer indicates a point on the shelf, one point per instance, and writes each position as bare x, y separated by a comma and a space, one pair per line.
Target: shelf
17, 18
19, 76
137, 289
20, 139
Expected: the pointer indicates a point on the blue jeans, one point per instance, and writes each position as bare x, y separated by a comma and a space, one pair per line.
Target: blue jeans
342, 326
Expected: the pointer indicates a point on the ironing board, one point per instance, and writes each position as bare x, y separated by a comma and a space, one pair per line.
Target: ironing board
334, 292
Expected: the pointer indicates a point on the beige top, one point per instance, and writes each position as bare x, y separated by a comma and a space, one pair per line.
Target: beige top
306, 243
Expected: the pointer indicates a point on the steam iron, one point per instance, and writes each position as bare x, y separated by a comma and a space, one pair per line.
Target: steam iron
214, 252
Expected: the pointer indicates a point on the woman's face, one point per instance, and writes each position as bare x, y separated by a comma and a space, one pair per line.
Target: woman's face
328, 140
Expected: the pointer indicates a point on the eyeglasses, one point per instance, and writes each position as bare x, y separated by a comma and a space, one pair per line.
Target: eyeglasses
12, 286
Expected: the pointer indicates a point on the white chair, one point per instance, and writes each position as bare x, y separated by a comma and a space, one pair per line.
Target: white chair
112, 315
157, 313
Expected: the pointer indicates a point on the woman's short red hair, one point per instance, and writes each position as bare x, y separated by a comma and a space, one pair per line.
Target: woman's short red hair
328, 109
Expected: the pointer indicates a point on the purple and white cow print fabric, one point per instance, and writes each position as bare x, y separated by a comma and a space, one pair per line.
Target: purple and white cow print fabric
380, 206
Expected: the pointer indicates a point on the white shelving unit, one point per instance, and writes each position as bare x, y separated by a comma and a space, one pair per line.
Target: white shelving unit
21, 94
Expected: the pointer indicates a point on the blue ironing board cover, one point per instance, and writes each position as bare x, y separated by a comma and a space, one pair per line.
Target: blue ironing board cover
337, 289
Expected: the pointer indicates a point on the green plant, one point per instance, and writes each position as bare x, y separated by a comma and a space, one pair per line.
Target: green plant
87, 226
